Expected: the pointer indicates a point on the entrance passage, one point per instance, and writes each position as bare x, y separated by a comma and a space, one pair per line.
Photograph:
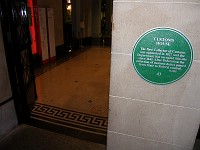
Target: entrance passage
73, 96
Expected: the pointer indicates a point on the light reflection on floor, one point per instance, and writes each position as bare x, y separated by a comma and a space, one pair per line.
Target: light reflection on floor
80, 84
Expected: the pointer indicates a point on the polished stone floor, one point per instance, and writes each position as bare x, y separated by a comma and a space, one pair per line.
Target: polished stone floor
80, 84
73, 95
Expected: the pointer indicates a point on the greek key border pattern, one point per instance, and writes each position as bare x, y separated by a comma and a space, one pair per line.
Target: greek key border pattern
74, 118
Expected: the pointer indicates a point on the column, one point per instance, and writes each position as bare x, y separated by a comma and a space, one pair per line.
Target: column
96, 19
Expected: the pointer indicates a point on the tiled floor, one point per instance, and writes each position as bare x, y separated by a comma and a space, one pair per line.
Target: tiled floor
73, 96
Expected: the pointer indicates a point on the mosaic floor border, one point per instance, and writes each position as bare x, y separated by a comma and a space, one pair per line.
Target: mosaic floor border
69, 122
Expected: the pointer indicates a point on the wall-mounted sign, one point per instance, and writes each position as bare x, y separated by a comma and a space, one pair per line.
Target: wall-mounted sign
162, 55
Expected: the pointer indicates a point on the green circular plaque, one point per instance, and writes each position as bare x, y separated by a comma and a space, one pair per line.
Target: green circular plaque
162, 55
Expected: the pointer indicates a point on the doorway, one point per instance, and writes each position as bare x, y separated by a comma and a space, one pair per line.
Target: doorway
73, 91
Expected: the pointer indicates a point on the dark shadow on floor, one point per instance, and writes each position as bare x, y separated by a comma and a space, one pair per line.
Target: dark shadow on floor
31, 138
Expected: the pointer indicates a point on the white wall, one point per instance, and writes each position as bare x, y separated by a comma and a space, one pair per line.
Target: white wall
8, 118
142, 115
4, 78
